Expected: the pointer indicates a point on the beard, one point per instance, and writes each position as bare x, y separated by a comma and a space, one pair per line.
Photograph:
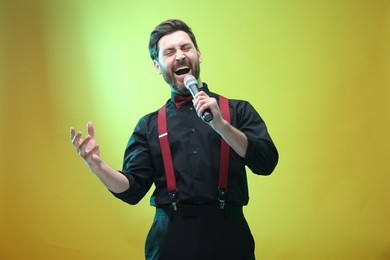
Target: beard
176, 85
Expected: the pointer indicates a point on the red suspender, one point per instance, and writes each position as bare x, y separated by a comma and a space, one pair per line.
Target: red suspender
168, 162
167, 156
225, 151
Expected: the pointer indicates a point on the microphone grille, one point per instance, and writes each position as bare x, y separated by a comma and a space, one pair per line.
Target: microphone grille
190, 80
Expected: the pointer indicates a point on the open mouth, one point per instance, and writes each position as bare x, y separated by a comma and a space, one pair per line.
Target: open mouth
182, 70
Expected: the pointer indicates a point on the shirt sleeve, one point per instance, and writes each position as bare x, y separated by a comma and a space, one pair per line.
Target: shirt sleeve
137, 165
261, 156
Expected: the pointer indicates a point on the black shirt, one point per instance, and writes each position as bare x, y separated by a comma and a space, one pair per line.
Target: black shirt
195, 148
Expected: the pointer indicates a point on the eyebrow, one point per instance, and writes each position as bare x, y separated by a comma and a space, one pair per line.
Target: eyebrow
186, 45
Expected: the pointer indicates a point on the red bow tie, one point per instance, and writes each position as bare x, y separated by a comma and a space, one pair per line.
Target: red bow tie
180, 101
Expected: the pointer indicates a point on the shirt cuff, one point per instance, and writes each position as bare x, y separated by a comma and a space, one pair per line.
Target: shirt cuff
250, 151
127, 193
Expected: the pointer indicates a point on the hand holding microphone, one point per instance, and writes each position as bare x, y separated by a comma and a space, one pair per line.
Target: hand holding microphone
191, 84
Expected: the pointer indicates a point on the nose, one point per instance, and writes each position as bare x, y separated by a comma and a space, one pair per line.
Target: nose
180, 55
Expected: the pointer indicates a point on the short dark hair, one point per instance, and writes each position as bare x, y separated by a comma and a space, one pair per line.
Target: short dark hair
165, 28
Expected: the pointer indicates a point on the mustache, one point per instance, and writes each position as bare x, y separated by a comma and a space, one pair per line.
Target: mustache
182, 63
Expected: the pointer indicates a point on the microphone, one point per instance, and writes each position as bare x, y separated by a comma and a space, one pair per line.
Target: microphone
192, 85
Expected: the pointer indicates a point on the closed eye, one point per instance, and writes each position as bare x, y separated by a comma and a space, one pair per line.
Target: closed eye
168, 52
186, 47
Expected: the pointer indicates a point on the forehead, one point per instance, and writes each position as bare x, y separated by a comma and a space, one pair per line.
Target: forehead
177, 38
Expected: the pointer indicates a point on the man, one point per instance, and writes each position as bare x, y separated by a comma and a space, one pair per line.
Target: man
197, 217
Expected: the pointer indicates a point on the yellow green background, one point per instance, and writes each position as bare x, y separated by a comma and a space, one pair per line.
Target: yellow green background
317, 71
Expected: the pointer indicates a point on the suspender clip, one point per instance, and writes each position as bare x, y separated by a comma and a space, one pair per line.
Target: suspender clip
174, 198
222, 197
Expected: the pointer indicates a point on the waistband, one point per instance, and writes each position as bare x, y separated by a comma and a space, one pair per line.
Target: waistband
197, 210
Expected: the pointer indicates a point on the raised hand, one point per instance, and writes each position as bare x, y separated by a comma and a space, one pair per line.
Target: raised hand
87, 148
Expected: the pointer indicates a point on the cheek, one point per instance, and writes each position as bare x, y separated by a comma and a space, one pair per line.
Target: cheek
167, 65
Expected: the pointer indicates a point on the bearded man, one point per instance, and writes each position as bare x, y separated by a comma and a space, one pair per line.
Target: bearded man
197, 167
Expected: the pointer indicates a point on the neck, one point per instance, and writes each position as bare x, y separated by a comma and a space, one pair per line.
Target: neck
184, 91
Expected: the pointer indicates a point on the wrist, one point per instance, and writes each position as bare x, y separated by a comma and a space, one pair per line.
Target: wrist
97, 167
220, 125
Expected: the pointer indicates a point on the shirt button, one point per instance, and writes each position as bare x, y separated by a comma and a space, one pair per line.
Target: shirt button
191, 108
193, 130
194, 152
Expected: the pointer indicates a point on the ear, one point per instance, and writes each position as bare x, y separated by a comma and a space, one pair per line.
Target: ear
157, 66
199, 56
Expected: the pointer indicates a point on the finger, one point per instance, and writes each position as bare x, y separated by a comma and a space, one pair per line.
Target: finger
201, 93
212, 105
76, 139
72, 133
90, 129
92, 152
83, 145
201, 99
201, 105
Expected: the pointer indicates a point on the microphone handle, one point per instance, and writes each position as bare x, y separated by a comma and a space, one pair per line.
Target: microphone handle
207, 116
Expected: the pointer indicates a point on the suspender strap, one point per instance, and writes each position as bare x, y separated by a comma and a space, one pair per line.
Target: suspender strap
167, 156
168, 162
225, 152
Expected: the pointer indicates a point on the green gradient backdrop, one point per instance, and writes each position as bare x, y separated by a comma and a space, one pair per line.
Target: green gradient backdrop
317, 71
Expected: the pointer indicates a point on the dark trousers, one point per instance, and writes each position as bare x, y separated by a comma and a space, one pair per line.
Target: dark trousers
200, 233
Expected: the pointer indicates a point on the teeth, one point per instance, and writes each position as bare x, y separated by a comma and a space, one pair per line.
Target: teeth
182, 68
